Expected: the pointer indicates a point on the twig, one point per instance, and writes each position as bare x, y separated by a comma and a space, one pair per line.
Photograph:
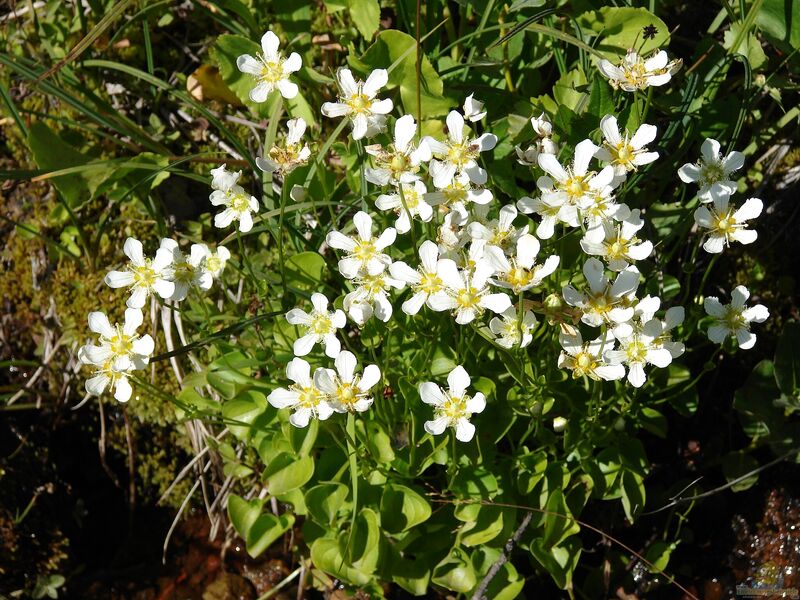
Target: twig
480, 593
675, 500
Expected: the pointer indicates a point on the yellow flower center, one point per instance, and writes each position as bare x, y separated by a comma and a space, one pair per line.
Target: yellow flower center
713, 172
636, 351
238, 202
121, 344
618, 247
184, 272
364, 250
359, 103
213, 264
320, 324
461, 153
734, 319
287, 157
518, 277
455, 192
430, 283
576, 186
583, 364
309, 396
411, 197
271, 71
144, 276
347, 394
468, 298
725, 223
373, 284
455, 407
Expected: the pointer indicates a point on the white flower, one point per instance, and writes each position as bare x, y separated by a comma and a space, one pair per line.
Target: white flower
499, 232
520, 272
530, 155
346, 391
601, 208
726, 225
320, 327
473, 109
587, 358
451, 234
575, 182
214, 262
371, 296
459, 153
119, 351
303, 397
413, 195
424, 281
553, 209
712, 172
467, 292
185, 270
622, 153
542, 145
119, 345
734, 318
644, 312
364, 254
510, 331
293, 154
357, 102
454, 407
142, 275
400, 161
638, 349
238, 203
458, 192
617, 243
636, 73
270, 69
604, 302
542, 126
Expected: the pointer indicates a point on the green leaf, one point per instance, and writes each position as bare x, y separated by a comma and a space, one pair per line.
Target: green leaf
402, 508
364, 549
257, 528
738, 464
749, 46
324, 501
305, 271
507, 583
620, 28
601, 100
754, 403
413, 575
393, 46
653, 421
658, 553
560, 561
780, 20
486, 528
51, 153
366, 16
284, 473
327, 555
455, 573
558, 521
787, 359
243, 411
570, 89
633, 494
